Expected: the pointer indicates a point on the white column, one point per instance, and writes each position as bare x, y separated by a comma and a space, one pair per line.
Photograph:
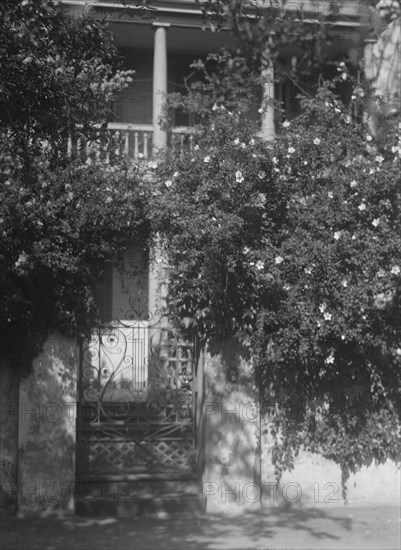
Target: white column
159, 83
159, 142
267, 131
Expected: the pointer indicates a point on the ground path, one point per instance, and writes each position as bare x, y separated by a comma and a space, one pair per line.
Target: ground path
329, 528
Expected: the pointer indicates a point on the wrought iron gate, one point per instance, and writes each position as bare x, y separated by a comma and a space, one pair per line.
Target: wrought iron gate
137, 409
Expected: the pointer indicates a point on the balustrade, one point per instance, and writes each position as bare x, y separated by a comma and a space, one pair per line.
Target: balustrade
134, 141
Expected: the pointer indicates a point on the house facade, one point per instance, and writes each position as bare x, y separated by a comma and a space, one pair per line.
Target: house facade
137, 420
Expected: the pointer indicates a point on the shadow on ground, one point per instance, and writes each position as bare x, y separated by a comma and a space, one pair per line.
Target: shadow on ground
334, 528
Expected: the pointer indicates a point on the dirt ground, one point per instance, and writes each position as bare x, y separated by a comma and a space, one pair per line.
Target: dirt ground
342, 528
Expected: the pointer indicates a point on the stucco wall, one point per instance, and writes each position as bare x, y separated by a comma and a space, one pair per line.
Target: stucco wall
231, 434
46, 445
8, 437
235, 479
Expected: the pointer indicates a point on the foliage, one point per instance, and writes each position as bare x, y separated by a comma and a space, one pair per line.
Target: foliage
57, 215
294, 249
292, 35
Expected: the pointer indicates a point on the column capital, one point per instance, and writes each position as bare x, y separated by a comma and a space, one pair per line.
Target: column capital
158, 24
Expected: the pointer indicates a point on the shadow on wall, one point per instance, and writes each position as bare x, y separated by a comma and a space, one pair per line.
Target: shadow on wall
232, 460
46, 442
8, 436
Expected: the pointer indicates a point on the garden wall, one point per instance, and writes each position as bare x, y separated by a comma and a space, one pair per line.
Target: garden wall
46, 442
236, 479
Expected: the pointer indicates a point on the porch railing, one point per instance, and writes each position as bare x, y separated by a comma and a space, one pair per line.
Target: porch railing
134, 141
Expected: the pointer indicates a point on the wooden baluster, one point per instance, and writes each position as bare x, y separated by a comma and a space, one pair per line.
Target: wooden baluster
182, 138
145, 145
117, 143
136, 151
79, 147
69, 146
191, 142
88, 151
126, 142
98, 151
107, 140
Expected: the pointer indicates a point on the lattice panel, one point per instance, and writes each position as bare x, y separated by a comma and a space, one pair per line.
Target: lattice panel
116, 456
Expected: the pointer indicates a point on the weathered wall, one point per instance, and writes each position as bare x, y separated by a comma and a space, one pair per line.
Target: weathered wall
316, 481
46, 445
235, 479
231, 434
9, 383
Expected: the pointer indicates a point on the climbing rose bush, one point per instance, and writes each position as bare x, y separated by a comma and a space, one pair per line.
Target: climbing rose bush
293, 248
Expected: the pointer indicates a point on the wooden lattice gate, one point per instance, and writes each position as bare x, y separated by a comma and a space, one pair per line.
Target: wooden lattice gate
138, 409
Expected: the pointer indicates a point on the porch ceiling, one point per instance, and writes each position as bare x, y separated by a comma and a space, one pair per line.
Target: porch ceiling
179, 39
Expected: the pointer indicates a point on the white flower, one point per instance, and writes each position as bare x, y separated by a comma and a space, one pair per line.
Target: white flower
108, 200
215, 107
243, 146
337, 235
278, 260
381, 273
291, 150
196, 148
261, 175
245, 250
236, 141
175, 175
344, 283
322, 308
395, 270
353, 183
329, 360
239, 177
168, 183
252, 141
206, 159
353, 237
330, 194
308, 270
362, 206
342, 336
274, 160
379, 159
376, 222
21, 259
347, 119
152, 164
260, 265
327, 316
286, 124
369, 137
316, 141
398, 351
